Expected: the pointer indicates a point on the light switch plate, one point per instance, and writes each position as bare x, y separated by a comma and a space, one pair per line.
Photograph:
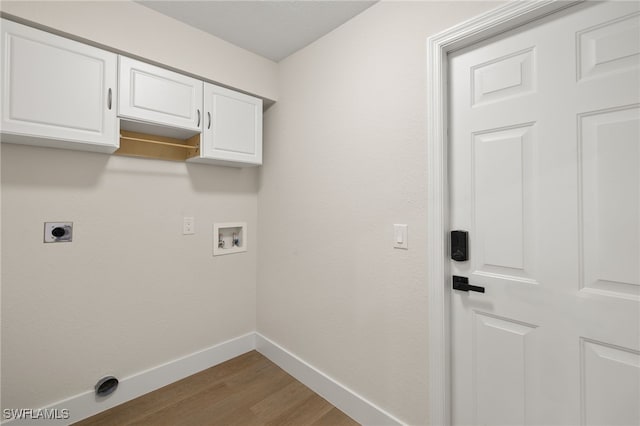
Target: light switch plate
400, 235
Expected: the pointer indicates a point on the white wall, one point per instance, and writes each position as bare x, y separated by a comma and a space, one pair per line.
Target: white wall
345, 159
130, 292
139, 31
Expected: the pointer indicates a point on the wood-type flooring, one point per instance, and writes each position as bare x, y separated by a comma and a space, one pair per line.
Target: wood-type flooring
247, 390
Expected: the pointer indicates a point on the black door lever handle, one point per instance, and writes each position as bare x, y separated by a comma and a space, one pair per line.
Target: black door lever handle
462, 284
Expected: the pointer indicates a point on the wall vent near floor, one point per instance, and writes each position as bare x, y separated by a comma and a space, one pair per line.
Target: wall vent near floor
106, 386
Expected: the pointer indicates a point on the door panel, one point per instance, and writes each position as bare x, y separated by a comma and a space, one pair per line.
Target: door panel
610, 385
507, 76
544, 173
501, 381
501, 194
609, 47
610, 160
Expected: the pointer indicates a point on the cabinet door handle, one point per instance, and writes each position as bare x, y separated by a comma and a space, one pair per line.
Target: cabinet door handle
209, 115
198, 125
109, 99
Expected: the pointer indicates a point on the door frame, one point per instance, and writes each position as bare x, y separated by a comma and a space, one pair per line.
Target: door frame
510, 16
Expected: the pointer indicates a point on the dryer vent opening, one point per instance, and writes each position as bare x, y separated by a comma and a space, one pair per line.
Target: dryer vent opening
106, 386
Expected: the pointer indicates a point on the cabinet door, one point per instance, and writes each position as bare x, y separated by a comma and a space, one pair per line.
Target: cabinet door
160, 96
233, 127
57, 92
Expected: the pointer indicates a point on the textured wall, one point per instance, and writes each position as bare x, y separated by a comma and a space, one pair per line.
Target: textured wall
130, 292
139, 31
345, 159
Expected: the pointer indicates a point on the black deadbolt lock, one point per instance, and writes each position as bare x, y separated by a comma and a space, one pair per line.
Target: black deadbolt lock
459, 246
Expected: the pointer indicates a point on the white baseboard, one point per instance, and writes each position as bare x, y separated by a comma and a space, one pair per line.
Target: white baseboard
355, 406
85, 404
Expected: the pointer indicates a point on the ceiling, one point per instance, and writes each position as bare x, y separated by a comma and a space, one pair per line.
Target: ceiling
273, 29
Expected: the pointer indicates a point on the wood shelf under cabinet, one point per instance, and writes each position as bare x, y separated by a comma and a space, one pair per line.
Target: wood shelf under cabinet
144, 145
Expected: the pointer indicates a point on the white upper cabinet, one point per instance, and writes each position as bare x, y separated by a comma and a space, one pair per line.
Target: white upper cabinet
61, 93
232, 128
57, 92
153, 94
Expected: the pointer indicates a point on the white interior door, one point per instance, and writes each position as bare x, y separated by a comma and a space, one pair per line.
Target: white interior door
544, 174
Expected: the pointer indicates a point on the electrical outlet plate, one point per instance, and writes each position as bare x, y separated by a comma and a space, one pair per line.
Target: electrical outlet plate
58, 232
229, 238
188, 225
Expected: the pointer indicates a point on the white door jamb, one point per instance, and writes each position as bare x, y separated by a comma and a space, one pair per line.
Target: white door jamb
494, 22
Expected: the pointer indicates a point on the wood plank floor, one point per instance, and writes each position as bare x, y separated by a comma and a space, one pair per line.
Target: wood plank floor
247, 390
